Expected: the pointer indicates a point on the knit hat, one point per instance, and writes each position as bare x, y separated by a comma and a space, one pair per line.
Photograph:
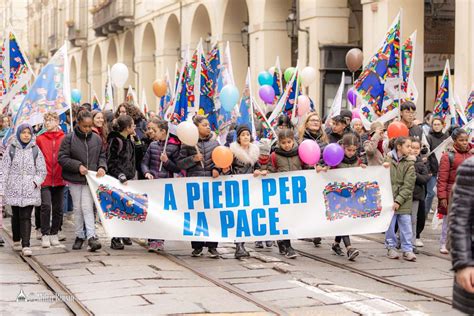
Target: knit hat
347, 114
374, 126
265, 146
241, 128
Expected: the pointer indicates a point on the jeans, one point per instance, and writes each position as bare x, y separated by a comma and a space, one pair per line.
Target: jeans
21, 224
83, 210
444, 231
404, 226
37, 217
421, 220
414, 218
51, 202
202, 244
430, 194
345, 239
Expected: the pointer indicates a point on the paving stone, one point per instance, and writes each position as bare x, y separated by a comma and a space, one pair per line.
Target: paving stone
114, 292
113, 305
62, 259
337, 288
72, 266
9, 292
177, 283
171, 304
373, 307
87, 279
25, 277
71, 272
265, 286
285, 303
249, 273
242, 280
420, 277
121, 269
103, 286
32, 308
315, 281
333, 310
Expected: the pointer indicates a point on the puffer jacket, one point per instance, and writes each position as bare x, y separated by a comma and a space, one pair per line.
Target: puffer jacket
193, 168
151, 162
79, 149
403, 176
49, 143
434, 139
447, 174
245, 161
120, 156
422, 178
283, 161
461, 226
21, 179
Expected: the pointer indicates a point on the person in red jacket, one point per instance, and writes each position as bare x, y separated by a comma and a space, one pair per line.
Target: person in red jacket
450, 161
53, 186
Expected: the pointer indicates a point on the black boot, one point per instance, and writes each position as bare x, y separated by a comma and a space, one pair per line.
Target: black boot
116, 244
77, 243
281, 247
240, 251
127, 241
93, 244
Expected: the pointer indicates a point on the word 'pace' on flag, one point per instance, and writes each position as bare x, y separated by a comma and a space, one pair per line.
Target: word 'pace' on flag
291, 205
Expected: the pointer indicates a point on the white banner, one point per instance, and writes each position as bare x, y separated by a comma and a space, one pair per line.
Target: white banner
301, 204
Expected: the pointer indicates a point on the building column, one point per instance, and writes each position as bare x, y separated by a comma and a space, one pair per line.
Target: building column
377, 18
464, 49
317, 17
146, 70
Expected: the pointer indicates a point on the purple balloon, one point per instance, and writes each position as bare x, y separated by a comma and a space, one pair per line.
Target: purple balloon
333, 154
266, 93
352, 97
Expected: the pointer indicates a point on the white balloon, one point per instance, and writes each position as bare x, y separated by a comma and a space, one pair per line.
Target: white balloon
308, 76
271, 70
119, 74
188, 133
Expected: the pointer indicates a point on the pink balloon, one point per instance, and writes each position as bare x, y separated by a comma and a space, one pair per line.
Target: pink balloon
303, 106
309, 152
355, 114
266, 93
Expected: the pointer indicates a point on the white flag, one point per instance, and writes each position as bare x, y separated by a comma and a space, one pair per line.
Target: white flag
337, 102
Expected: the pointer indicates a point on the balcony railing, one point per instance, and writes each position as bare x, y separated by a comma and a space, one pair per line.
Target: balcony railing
112, 16
53, 43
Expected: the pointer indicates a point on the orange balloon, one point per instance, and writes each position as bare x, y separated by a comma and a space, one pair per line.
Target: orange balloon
397, 129
159, 88
222, 157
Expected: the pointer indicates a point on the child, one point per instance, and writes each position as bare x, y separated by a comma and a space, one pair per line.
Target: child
285, 158
156, 157
23, 170
81, 151
373, 146
246, 155
121, 160
350, 142
448, 165
52, 189
200, 164
402, 174
265, 163
418, 208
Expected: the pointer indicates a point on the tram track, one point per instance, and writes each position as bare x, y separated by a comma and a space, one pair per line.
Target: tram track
73, 304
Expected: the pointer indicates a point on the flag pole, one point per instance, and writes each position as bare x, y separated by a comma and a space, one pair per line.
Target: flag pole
400, 68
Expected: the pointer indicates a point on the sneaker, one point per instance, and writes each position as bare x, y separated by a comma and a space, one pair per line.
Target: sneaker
116, 244
197, 252
54, 240
258, 244
352, 253
419, 243
443, 250
38, 234
152, 246
213, 253
2, 242
127, 241
61, 236
77, 243
392, 254
317, 241
269, 243
45, 243
93, 244
17, 246
409, 256
290, 253
281, 247
415, 250
160, 245
337, 249
26, 251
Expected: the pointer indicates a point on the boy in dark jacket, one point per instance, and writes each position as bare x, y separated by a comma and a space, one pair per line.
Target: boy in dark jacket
52, 189
81, 151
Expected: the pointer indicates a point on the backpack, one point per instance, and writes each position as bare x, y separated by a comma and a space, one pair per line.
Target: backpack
34, 149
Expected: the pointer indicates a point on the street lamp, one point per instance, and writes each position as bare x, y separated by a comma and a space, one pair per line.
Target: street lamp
291, 25
208, 41
42, 59
244, 35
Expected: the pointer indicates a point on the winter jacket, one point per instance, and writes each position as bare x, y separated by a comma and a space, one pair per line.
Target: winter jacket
447, 174
435, 139
372, 151
283, 161
333, 137
461, 227
245, 161
21, 179
100, 134
193, 168
79, 149
422, 178
349, 162
49, 143
415, 131
120, 157
403, 177
317, 138
151, 162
